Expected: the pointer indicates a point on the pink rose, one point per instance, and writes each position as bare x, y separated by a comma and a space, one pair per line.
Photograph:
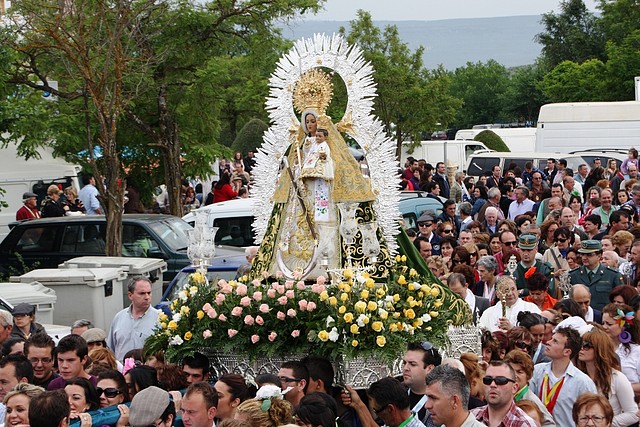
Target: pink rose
283, 300
279, 275
311, 306
302, 304
222, 283
297, 274
321, 280
255, 338
288, 284
265, 274
291, 312
259, 320
207, 334
279, 288
248, 320
237, 311
280, 315
220, 299
226, 289
245, 301
257, 296
232, 333
316, 288
295, 333
212, 313
290, 294
222, 318
264, 308
272, 336
271, 293
206, 307
255, 282
241, 289
301, 286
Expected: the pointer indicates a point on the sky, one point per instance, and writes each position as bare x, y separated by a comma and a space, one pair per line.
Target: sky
429, 10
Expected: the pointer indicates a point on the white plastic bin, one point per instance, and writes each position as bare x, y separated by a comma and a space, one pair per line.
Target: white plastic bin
34, 293
84, 293
148, 267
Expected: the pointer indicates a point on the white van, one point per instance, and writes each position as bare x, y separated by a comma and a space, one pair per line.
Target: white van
519, 140
481, 163
233, 219
434, 151
18, 176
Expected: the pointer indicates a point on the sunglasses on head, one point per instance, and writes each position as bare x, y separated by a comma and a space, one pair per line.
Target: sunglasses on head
499, 380
109, 392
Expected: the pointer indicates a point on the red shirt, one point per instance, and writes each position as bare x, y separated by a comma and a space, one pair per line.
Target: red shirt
223, 194
548, 303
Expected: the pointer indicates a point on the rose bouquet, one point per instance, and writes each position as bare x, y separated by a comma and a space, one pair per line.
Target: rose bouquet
354, 316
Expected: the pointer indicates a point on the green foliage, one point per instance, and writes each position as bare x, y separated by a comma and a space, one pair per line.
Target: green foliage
572, 35
250, 136
482, 88
492, 141
571, 82
523, 97
619, 19
411, 99
622, 67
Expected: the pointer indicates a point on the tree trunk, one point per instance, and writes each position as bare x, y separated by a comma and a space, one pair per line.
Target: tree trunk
170, 145
112, 201
399, 144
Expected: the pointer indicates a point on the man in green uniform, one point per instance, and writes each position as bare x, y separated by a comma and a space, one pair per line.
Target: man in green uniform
528, 245
596, 276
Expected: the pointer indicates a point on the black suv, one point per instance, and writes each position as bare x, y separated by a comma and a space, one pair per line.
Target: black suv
49, 242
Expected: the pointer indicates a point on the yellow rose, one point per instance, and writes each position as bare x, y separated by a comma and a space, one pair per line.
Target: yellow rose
344, 296
354, 343
396, 297
184, 310
163, 325
188, 335
400, 326
348, 273
384, 314
409, 314
380, 292
365, 320
417, 323
193, 289
360, 306
323, 336
433, 313
413, 273
411, 287
369, 283
396, 314
347, 288
372, 306
364, 294
172, 325
163, 317
410, 299
435, 292
376, 326
393, 327
402, 280
414, 303
197, 277
398, 259
420, 294
425, 288
354, 329
403, 258
348, 317
437, 304
333, 300
381, 340
324, 295
342, 309
200, 314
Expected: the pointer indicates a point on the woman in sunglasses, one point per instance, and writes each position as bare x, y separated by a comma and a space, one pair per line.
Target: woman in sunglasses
112, 388
619, 323
598, 359
519, 339
556, 255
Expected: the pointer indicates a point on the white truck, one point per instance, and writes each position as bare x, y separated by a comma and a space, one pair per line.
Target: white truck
519, 140
17, 176
457, 152
568, 127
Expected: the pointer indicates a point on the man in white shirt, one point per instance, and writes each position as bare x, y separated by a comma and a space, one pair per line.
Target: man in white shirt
522, 204
492, 318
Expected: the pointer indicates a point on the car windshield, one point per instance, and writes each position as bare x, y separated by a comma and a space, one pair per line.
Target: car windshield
173, 231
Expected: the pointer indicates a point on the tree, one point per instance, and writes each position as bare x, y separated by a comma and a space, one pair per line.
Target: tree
619, 19
250, 136
492, 140
89, 47
523, 97
482, 88
411, 99
571, 82
622, 67
572, 35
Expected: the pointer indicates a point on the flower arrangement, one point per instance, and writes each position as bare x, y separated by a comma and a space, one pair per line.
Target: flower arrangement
354, 317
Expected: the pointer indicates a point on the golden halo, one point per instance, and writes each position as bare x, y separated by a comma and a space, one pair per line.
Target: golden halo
313, 91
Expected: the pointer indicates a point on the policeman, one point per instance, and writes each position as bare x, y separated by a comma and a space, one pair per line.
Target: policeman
599, 278
528, 245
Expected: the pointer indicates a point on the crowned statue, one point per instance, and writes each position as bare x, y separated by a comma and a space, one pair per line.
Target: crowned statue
322, 219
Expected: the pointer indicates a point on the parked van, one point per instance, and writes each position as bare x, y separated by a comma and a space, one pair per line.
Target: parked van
566, 127
434, 151
481, 163
519, 140
17, 176
233, 219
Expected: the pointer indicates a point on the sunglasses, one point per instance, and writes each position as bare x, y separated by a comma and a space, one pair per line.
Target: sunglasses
109, 392
587, 345
499, 380
513, 243
287, 380
523, 345
447, 231
561, 240
425, 224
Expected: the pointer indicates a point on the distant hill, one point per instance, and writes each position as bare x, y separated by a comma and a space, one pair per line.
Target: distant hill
454, 42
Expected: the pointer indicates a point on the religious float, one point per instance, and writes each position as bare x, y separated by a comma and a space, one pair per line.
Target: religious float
335, 275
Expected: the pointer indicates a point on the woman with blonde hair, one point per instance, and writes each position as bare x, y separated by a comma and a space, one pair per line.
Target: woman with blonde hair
622, 241
101, 356
599, 361
437, 265
17, 402
268, 409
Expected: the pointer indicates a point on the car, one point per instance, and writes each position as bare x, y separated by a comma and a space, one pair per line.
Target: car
604, 155
48, 242
414, 203
233, 219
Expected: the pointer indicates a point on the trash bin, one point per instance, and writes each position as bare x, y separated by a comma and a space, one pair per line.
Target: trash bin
148, 267
84, 293
34, 293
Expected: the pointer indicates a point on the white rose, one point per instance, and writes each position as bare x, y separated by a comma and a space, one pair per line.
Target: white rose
334, 335
177, 317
